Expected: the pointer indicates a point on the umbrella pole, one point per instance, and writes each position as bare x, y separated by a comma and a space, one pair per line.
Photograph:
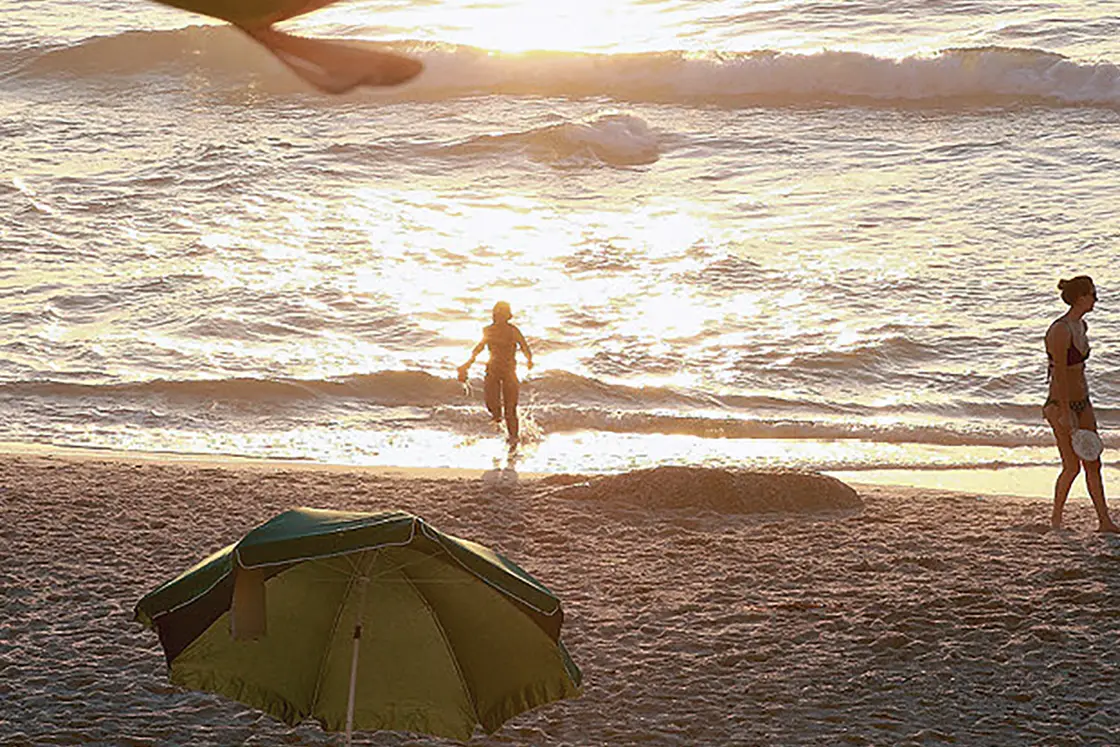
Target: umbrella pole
354, 659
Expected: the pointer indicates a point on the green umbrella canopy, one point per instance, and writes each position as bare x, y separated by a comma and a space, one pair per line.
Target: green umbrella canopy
453, 634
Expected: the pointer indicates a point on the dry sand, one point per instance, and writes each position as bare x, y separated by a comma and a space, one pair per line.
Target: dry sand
918, 617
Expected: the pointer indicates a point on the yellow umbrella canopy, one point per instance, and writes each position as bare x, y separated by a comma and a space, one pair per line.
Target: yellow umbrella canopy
451, 634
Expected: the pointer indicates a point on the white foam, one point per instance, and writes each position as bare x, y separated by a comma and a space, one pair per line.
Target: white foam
989, 72
614, 138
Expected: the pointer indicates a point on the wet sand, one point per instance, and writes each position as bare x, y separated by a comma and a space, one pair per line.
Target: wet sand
915, 616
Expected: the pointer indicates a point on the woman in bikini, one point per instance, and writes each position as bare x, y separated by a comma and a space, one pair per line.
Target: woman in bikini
1067, 347
501, 387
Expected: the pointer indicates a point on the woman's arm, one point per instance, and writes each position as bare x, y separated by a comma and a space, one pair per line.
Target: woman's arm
463, 369
1058, 340
525, 349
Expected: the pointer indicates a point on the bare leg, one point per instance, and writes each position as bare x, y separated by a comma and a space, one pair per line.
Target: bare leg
1071, 465
511, 390
1061, 493
492, 389
1087, 419
1095, 484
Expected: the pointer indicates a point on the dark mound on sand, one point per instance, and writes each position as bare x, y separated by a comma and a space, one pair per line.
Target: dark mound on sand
722, 490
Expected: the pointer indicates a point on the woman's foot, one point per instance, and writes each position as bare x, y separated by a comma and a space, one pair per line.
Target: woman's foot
336, 66
1108, 528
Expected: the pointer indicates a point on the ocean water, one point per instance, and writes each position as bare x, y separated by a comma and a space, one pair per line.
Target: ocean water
812, 234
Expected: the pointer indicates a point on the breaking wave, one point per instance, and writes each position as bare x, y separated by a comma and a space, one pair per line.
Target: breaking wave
1005, 75
557, 402
387, 388
615, 139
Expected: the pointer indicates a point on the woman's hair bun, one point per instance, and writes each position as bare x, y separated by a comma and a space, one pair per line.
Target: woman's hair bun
1074, 288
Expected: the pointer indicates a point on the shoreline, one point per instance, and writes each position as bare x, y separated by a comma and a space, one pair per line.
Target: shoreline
1035, 482
10, 450
1013, 482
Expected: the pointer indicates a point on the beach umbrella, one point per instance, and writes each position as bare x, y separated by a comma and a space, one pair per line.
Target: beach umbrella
364, 621
332, 65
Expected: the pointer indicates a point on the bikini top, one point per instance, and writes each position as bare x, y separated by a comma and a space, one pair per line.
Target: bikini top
1074, 356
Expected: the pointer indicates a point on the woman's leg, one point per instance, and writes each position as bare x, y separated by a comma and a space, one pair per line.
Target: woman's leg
492, 391
1071, 465
1087, 419
511, 390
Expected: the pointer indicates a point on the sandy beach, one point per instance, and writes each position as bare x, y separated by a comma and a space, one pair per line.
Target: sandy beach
760, 615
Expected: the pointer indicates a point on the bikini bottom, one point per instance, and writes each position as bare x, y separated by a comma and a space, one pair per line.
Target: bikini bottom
1077, 405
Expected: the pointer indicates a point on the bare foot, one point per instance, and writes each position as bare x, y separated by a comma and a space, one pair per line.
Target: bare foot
336, 66
1108, 528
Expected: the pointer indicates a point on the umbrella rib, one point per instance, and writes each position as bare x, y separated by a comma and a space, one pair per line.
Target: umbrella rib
350, 584
488, 582
446, 644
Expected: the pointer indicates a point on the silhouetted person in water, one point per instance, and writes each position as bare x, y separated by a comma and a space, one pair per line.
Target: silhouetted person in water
1068, 405
502, 388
